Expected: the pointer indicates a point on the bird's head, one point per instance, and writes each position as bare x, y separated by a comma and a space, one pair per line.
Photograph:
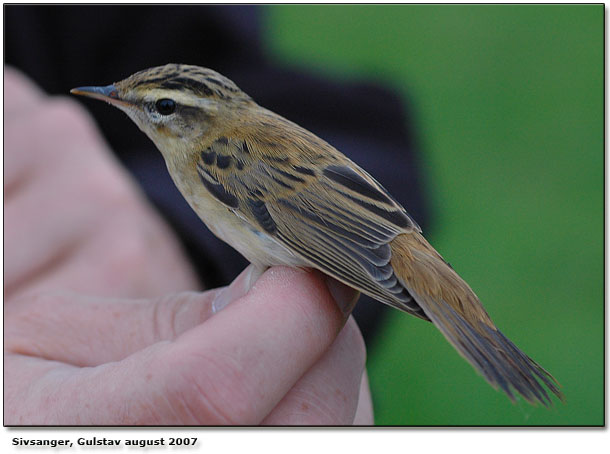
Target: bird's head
175, 105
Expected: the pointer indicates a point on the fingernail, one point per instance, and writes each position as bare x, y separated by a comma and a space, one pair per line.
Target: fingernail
345, 297
238, 288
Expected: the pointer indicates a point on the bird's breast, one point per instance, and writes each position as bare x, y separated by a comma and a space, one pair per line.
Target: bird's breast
254, 244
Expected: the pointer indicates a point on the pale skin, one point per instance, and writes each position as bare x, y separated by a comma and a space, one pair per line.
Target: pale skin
102, 325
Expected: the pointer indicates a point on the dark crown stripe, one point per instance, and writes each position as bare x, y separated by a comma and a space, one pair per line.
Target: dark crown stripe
156, 80
220, 84
178, 83
171, 85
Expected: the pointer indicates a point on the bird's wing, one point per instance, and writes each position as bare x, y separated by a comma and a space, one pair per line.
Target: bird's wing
324, 208
340, 220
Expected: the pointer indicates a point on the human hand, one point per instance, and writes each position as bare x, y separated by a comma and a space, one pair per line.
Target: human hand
74, 220
278, 354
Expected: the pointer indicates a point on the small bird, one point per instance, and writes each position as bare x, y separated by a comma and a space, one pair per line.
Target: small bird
280, 195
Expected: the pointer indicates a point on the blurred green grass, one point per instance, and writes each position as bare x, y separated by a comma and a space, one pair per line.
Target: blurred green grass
509, 105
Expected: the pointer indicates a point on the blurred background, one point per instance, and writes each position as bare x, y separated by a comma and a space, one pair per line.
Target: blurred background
488, 126
509, 104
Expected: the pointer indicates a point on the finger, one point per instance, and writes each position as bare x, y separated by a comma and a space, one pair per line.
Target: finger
233, 369
56, 122
21, 99
128, 392
89, 331
31, 245
131, 254
328, 393
62, 204
58, 170
238, 365
238, 288
65, 135
20, 93
364, 412
23, 400
56, 324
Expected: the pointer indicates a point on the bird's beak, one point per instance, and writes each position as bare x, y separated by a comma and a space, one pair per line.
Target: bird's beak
109, 93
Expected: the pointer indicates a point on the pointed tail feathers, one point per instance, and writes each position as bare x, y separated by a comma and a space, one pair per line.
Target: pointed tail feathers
456, 311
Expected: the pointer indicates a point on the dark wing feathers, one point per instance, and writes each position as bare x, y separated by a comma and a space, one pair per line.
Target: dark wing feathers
317, 214
365, 191
261, 214
347, 178
218, 190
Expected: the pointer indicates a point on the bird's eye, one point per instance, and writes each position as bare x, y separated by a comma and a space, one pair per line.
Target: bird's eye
165, 106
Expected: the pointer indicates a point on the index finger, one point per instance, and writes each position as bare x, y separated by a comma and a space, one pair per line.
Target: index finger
20, 93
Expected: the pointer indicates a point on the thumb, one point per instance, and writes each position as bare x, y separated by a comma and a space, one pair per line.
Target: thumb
238, 288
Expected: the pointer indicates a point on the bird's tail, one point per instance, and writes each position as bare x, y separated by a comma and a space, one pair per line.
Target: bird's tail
456, 311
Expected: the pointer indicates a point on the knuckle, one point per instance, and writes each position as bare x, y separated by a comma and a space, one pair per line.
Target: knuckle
165, 312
